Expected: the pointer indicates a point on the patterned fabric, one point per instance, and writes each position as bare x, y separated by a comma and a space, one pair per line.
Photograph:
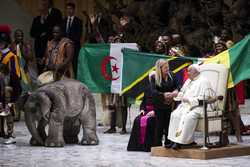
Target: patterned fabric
178, 51
27, 63
8, 57
22, 64
57, 55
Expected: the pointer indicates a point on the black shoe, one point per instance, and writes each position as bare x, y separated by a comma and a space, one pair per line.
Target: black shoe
193, 143
176, 146
189, 145
123, 131
2, 134
99, 124
169, 145
167, 142
111, 130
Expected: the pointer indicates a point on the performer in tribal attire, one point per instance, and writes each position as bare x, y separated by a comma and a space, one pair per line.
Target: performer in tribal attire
59, 55
27, 62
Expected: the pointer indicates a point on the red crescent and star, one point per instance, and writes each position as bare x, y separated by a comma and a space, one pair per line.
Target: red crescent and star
114, 68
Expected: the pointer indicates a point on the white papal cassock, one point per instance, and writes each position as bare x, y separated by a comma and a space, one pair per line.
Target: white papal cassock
184, 118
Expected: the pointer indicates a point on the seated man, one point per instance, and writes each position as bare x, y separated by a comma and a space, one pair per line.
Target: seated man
184, 118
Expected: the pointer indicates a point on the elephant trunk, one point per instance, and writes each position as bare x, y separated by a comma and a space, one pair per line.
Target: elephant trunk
31, 124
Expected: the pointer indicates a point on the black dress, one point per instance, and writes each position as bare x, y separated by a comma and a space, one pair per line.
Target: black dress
135, 141
162, 110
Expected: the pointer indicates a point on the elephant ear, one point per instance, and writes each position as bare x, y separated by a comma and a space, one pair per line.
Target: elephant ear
21, 101
30, 103
39, 103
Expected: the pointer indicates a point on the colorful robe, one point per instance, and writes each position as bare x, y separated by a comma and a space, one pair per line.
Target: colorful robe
56, 55
10, 59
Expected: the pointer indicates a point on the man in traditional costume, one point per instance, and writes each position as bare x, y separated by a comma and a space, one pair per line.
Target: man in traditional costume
184, 118
27, 62
59, 55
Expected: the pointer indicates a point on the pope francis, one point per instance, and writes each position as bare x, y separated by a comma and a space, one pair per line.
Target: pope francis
184, 118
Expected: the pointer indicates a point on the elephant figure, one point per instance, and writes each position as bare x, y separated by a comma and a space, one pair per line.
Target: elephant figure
63, 106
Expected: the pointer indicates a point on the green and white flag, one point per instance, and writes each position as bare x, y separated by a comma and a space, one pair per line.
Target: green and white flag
100, 66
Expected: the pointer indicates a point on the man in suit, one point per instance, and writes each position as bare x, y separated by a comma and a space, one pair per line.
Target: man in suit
73, 30
41, 29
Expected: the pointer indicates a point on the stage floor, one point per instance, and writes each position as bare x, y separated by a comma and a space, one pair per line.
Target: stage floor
111, 152
198, 153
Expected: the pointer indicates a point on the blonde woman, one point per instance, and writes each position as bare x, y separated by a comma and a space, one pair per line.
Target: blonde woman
164, 87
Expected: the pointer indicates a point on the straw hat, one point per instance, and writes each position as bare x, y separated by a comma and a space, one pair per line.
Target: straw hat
46, 77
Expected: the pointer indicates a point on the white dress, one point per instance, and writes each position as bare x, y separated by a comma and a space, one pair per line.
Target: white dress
184, 118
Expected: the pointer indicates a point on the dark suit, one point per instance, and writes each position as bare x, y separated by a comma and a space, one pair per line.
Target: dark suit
74, 33
42, 31
54, 18
39, 31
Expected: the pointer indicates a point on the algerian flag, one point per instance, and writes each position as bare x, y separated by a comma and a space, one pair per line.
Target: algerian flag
100, 66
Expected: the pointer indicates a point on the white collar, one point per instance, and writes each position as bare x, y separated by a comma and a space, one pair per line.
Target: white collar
50, 9
71, 17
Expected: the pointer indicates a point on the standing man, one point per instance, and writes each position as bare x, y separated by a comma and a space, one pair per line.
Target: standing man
73, 30
41, 29
28, 69
59, 53
10, 85
23, 49
117, 104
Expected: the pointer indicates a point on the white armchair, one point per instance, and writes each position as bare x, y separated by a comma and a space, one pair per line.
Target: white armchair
212, 119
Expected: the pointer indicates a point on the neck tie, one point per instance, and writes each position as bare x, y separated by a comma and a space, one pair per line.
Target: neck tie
68, 24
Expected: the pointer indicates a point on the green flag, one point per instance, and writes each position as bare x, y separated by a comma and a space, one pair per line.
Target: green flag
237, 59
138, 65
100, 65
